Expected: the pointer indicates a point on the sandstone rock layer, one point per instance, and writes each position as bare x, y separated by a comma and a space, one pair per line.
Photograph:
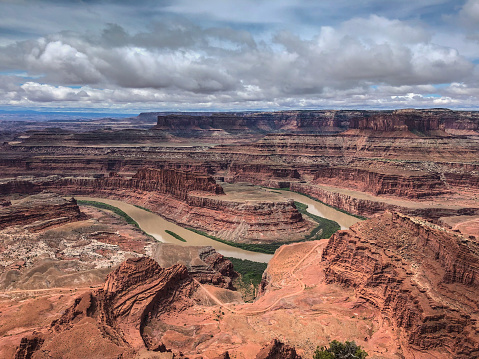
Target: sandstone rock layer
40, 211
423, 279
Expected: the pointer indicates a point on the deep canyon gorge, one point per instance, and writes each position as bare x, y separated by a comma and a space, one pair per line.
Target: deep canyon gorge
398, 274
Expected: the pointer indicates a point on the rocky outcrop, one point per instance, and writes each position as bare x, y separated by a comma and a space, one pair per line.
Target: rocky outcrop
422, 278
113, 319
166, 181
115, 315
221, 267
40, 211
177, 182
462, 180
261, 174
18, 186
187, 125
398, 121
28, 346
203, 263
427, 121
277, 350
367, 208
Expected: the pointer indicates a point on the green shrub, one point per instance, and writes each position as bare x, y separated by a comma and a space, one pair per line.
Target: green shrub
116, 210
268, 248
338, 350
326, 226
143, 208
177, 236
251, 272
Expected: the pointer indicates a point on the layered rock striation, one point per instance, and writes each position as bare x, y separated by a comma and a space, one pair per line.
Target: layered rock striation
40, 211
426, 121
369, 207
404, 184
166, 181
400, 121
407, 154
255, 123
189, 199
128, 298
422, 278
112, 318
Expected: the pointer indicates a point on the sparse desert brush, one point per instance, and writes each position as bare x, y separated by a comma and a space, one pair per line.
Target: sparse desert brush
338, 350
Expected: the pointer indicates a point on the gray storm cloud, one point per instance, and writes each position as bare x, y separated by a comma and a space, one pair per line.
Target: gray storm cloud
364, 61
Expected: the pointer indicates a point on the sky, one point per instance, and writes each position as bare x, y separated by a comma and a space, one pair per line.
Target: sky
234, 55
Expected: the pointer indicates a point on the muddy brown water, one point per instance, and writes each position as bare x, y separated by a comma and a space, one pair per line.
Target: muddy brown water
155, 225
314, 207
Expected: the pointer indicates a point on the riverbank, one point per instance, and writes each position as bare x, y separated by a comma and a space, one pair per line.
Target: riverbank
155, 225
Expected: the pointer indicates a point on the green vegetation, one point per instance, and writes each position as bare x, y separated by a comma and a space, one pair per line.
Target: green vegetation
338, 350
325, 229
177, 236
253, 247
317, 200
114, 209
251, 272
326, 226
143, 208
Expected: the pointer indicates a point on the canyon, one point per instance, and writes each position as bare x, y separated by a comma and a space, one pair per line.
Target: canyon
413, 156
401, 283
423, 279
376, 283
186, 198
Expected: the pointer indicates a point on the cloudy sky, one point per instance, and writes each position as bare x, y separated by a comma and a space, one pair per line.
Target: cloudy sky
238, 54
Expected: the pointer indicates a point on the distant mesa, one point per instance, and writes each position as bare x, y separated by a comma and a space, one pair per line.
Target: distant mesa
408, 123
428, 122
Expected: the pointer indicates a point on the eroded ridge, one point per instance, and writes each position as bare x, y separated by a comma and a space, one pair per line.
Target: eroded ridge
112, 318
423, 279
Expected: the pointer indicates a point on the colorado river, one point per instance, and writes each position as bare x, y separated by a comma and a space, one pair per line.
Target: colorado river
155, 225
314, 207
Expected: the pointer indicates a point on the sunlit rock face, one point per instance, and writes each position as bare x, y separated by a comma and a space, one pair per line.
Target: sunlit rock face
423, 279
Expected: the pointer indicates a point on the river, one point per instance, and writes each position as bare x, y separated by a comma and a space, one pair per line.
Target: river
314, 207
155, 225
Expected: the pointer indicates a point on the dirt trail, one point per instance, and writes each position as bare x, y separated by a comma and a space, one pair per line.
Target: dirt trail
321, 243
45, 290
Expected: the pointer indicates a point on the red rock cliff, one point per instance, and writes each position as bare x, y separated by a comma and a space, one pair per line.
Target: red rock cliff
424, 279
192, 200
131, 295
167, 181
177, 182
45, 209
401, 120
404, 184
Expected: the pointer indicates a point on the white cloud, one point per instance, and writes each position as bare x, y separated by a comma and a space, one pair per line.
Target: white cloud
46, 93
368, 61
470, 12
381, 30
